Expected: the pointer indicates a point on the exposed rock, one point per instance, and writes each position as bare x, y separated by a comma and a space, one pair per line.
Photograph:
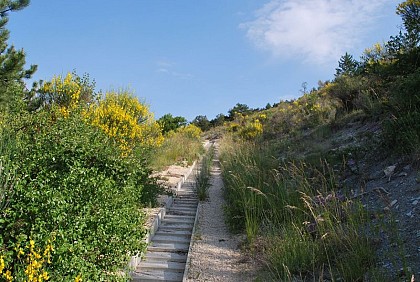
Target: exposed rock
389, 171
407, 168
393, 203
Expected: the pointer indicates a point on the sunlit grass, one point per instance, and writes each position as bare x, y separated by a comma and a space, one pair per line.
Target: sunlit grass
177, 148
307, 226
202, 178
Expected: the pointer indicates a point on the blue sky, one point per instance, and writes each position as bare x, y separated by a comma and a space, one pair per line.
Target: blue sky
194, 58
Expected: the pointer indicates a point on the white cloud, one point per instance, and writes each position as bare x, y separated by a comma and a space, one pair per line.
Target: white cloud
164, 63
167, 67
318, 31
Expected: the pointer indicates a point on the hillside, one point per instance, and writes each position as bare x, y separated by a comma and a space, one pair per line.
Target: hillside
326, 187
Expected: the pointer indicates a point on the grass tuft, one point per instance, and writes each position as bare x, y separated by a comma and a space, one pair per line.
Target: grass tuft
202, 178
309, 228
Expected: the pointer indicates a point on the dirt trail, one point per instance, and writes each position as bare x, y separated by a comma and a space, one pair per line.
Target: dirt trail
215, 255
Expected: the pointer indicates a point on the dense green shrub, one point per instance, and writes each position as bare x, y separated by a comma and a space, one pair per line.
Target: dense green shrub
402, 130
78, 187
347, 90
402, 134
168, 122
406, 93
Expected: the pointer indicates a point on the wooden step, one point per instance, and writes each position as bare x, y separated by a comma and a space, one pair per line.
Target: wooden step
155, 276
167, 253
178, 220
174, 216
179, 226
171, 239
178, 233
168, 257
159, 265
168, 247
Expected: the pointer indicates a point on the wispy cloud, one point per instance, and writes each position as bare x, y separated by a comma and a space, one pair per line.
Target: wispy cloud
318, 31
167, 67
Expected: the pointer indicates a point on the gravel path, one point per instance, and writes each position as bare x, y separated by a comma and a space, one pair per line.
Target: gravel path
215, 254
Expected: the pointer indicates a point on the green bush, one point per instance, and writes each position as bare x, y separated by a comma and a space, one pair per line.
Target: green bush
76, 186
406, 94
402, 130
402, 134
347, 90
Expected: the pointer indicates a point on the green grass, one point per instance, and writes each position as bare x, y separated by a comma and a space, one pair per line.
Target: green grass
203, 174
177, 148
307, 227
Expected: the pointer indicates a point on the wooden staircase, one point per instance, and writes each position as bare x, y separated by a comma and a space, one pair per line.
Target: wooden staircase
167, 253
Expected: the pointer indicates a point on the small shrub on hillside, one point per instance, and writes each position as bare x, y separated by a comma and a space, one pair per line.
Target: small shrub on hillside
402, 130
347, 89
405, 94
190, 131
308, 111
402, 134
247, 127
251, 130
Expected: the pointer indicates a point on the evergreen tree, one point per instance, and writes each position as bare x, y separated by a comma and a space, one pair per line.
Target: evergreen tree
169, 122
218, 120
409, 11
12, 61
239, 109
202, 122
347, 65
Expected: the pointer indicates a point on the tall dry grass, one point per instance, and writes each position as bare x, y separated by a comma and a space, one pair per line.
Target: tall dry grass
306, 225
179, 147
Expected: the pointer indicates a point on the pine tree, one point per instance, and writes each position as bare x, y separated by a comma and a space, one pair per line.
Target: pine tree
347, 65
12, 61
409, 11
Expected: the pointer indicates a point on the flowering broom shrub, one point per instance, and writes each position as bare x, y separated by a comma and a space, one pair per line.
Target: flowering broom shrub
119, 114
123, 118
65, 92
190, 131
247, 127
26, 262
